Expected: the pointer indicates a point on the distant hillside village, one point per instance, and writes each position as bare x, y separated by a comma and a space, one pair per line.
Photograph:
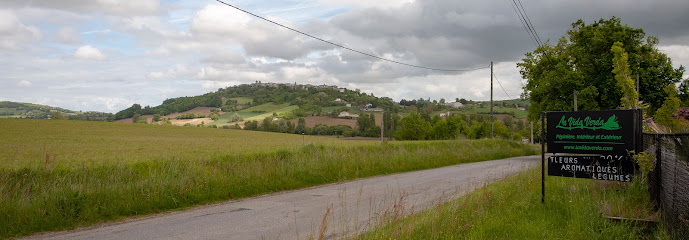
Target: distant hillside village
367, 107
297, 86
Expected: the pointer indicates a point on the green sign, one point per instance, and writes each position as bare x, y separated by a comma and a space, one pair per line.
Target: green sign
593, 132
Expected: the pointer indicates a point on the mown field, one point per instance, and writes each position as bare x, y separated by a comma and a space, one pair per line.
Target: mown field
59, 175
512, 209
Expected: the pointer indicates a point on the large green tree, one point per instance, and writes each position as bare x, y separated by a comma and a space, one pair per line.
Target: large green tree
582, 61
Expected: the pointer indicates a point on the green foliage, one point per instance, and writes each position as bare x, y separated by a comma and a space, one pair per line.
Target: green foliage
214, 116
630, 98
186, 116
500, 130
137, 118
37, 111
301, 126
413, 127
156, 117
583, 61
664, 115
645, 162
684, 93
479, 130
172, 105
365, 122
236, 118
57, 116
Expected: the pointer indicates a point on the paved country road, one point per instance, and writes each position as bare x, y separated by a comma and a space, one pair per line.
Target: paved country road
353, 207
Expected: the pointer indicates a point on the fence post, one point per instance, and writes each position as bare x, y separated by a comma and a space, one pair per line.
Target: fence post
659, 169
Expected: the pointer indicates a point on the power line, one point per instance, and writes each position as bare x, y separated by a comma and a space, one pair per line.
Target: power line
503, 89
523, 24
528, 20
350, 49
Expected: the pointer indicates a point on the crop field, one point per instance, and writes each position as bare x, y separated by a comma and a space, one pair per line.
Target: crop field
59, 175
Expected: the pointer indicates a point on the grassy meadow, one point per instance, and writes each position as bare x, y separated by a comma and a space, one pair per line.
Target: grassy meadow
58, 175
512, 209
520, 114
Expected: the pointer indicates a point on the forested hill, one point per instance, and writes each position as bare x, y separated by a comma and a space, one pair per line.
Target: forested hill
307, 97
37, 111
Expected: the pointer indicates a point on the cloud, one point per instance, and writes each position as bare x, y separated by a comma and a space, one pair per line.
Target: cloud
13, 33
89, 53
68, 35
24, 83
110, 7
219, 23
177, 72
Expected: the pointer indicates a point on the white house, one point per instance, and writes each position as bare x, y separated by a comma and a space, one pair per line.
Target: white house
454, 104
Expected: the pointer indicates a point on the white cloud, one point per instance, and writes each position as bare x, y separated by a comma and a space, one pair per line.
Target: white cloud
24, 83
678, 53
89, 53
13, 32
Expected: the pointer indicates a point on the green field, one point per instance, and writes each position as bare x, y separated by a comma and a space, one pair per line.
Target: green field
512, 209
521, 114
63, 174
257, 113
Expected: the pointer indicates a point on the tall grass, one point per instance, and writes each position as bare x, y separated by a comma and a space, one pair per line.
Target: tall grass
106, 172
512, 209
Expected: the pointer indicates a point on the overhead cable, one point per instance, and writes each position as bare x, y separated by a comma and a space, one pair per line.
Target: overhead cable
528, 20
503, 89
351, 49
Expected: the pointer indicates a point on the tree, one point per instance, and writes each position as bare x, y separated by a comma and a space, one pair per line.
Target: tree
413, 127
583, 61
236, 118
156, 117
442, 130
365, 122
137, 118
630, 98
664, 115
57, 116
684, 93
301, 126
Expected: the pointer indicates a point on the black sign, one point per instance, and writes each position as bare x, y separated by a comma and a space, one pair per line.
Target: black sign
593, 132
610, 167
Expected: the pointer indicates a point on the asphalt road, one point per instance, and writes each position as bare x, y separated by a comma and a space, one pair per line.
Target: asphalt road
353, 207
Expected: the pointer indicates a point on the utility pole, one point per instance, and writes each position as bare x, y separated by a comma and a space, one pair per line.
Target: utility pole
382, 126
575, 100
531, 132
491, 99
637, 84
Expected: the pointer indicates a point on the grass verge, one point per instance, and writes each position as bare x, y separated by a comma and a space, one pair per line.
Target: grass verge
512, 209
39, 197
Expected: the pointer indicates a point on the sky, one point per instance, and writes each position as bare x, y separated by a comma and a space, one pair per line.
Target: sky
105, 55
